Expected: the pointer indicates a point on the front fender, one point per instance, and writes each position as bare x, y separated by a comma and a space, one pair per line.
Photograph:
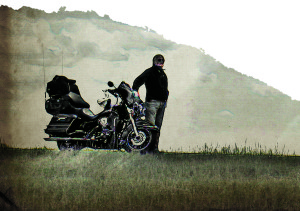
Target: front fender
140, 124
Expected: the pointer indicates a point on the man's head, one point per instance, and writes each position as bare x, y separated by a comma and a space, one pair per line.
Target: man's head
158, 60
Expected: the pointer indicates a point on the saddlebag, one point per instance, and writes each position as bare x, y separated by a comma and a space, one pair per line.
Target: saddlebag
60, 124
55, 106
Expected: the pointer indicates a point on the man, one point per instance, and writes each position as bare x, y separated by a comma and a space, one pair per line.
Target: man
156, 83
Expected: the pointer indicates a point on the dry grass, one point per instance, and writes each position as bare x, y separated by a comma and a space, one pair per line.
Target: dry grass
41, 179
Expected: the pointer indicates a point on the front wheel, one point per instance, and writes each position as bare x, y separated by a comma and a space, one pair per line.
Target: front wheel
138, 142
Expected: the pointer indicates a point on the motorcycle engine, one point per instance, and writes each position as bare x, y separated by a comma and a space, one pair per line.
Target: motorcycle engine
103, 122
105, 132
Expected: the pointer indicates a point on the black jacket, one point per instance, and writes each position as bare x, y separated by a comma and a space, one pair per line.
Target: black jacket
156, 82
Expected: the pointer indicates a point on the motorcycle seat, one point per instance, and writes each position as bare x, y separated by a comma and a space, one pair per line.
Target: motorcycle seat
77, 101
87, 114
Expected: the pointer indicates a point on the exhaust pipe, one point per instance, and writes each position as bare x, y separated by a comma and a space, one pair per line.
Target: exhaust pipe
67, 139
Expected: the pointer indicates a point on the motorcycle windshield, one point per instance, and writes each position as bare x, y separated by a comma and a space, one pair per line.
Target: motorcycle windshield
126, 93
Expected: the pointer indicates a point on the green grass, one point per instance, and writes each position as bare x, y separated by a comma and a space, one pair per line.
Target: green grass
41, 179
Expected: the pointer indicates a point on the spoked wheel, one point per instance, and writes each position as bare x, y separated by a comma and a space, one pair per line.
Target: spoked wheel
69, 145
139, 142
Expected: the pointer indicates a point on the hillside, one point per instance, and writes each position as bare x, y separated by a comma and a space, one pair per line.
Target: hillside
209, 103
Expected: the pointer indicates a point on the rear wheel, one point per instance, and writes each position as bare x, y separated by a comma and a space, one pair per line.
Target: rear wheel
139, 142
69, 145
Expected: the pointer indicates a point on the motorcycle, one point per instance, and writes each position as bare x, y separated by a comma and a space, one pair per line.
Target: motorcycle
119, 126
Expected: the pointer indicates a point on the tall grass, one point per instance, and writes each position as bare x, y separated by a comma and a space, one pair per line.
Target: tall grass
41, 179
236, 150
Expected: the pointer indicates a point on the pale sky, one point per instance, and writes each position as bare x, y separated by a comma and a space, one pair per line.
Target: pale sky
259, 38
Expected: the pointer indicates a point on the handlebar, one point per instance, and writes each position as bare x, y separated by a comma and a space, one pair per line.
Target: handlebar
113, 92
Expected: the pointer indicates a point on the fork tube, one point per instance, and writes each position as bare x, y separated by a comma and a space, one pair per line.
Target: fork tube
132, 122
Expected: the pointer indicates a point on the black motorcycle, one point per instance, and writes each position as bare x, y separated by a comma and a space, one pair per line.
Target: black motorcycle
119, 126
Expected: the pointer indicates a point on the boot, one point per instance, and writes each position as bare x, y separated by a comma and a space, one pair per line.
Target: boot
153, 148
156, 142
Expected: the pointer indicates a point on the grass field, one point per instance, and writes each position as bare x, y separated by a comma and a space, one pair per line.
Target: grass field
42, 179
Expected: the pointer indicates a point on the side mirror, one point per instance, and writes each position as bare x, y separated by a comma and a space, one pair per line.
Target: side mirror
110, 84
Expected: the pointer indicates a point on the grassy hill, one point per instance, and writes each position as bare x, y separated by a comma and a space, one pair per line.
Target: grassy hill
209, 103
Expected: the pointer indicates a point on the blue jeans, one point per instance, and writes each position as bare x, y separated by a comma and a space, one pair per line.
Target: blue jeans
155, 112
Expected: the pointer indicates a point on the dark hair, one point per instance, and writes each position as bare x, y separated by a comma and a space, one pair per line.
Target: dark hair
160, 58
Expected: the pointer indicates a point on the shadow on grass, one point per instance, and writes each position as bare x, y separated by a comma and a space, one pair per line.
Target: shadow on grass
12, 205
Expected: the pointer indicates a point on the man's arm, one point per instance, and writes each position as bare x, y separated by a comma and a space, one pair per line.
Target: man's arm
140, 80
